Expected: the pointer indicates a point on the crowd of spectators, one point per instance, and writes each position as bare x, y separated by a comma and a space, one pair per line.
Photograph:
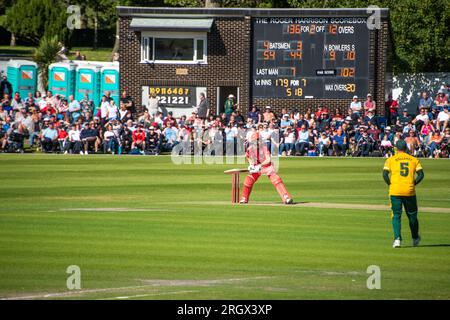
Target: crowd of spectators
52, 124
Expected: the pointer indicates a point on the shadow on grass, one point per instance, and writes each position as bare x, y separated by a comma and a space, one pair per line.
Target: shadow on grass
428, 246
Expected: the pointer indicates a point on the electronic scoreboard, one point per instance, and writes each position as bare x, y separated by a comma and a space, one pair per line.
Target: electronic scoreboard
320, 58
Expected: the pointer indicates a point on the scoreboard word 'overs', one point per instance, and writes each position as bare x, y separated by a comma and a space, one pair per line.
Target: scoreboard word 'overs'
322, 58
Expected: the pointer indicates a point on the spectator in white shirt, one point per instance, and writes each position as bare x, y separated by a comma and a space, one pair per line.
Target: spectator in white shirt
355, 107
104, 105
442, 119
288, 145
112, 111
74, 141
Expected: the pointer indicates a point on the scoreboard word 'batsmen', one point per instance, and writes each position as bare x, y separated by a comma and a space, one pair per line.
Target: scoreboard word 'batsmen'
310, 57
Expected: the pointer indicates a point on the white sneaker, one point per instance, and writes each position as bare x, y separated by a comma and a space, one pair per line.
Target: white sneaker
65, 152
416, 241
289, 201
397, 243
86, 152
243, 201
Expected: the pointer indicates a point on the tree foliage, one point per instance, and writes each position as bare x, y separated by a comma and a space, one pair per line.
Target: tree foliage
419, 28
229, 3
35, 19
46, 54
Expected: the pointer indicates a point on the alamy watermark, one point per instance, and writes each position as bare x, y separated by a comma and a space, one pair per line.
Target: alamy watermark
374, 20
73, 282
374, 280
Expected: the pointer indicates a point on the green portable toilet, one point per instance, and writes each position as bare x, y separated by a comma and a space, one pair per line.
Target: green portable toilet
110, 82
61, 78
22, 74
88, 81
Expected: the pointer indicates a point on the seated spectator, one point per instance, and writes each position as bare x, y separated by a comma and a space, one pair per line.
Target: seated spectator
441, 99
238, 117
268, 115
386, 147
301, 122
420, 119
50, 138
125, 138
63, 110
6, 105
287, 145
74, 144
369, 117
320, 109
153, 141
369, 105
17, 102
365, 144
374, 132
425, 102
434, 144
337, 118
14, 138
443, 119
310, 120
87, 107
426, 132
89, 138
406, 129
173, 122
323, 144
250, 124
413, 142
62, 138
254, 114
110, 140
404, 118
356, 108
138, 138
285, 123
3, 136
339, 142
302, 143
387, 132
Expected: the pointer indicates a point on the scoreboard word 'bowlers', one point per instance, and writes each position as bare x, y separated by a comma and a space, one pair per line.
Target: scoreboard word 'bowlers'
322, 58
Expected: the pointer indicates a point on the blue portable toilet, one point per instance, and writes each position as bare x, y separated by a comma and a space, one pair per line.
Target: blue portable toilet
22, 74
110, 82
88, 81
61, 78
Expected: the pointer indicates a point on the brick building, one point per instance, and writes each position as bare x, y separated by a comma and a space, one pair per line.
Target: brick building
293, 58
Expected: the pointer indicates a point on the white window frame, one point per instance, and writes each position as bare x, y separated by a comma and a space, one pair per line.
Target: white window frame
145, 42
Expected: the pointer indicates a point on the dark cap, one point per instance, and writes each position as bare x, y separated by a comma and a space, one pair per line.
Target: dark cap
401, 145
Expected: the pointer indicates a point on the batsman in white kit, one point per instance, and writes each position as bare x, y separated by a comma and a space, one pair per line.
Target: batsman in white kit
259, 158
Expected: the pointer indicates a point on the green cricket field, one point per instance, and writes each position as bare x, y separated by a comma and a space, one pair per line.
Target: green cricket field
135, 227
